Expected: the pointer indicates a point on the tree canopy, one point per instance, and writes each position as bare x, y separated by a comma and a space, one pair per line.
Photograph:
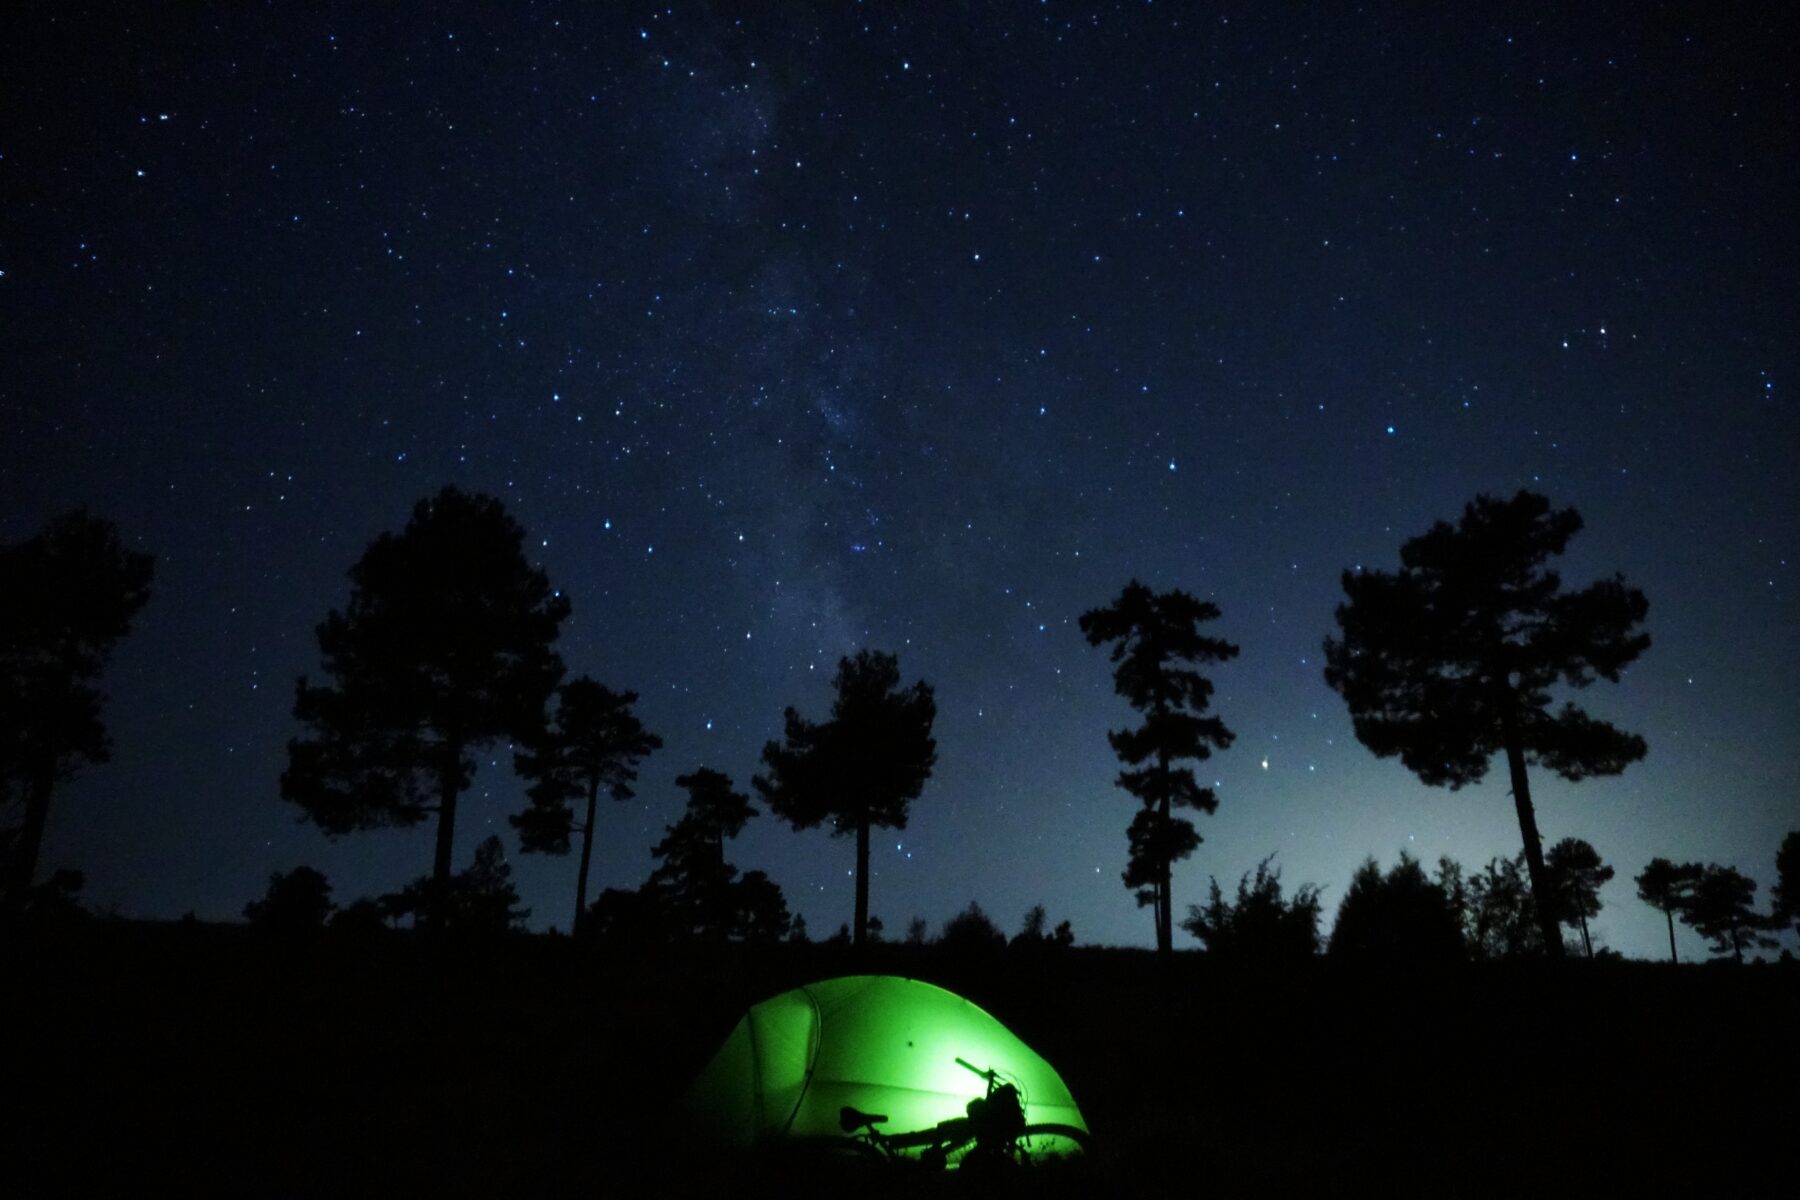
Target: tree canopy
972, 932
1784, 897
444, 649
478, 901
1156, 639
859, 769
297, 902
1262, 926
701, 894
1721, 907
67, 596
1453, 658
1402, 915
1500, 918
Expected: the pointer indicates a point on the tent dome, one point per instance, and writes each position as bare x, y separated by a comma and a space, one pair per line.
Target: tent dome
880, 1043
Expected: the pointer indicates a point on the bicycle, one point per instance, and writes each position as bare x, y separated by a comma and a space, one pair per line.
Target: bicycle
991, 1134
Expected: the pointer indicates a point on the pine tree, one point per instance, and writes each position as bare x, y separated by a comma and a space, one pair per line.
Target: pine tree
66, 596
1668, 888
697, 886
1784, 897
1155, 640
1722, 908
1451, 659
861, 768
594, 744
445, 649
1400, 916
479, 900
1576, 874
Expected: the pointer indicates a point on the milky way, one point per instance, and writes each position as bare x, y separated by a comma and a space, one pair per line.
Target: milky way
882, 327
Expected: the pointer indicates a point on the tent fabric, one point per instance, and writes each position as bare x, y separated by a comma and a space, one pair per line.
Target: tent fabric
881, 1043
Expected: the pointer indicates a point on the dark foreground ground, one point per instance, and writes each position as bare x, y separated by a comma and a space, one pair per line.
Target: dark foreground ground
141, 1058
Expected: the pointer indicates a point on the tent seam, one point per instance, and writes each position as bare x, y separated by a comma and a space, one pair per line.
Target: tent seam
812, 1057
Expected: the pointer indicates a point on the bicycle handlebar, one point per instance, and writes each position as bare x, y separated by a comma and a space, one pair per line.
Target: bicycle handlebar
990, 1074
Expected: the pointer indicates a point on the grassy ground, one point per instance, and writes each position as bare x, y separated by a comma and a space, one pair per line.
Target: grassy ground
201, 1059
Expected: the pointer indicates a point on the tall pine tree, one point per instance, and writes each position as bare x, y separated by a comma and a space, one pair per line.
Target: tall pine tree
1668, 888
861, 768
1576, 874
593, 745
66, 596
1155, 638
1451, 660
444, 649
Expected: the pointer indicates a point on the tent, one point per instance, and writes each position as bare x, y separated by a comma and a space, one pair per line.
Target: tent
877, 1042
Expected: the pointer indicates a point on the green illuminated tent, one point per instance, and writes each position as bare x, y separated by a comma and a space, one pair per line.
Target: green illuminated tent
877, 1042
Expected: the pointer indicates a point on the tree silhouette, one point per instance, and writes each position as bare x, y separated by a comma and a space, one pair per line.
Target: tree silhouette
445, 648
696, 884
1668, 888
1785, 895
1032, 935
478, 901
1400, 916
1576, 874
1722, 909
759, 912
298, 902
58, 898
1500, 915
362, 918
1262, 926
631, 918
859, 769
1451, 659
66, 596
594, 743
1153, 635
972, 932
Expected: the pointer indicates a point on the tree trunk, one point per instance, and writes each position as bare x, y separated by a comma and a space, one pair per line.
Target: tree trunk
587, 856
1548, 925
31, 835
1586, 944
862, 877
23, 868
1165, 941
446, 844
1670, 913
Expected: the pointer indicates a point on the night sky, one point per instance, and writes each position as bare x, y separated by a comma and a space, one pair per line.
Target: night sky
920, 328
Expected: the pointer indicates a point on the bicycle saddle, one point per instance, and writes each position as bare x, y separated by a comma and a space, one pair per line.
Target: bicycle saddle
852, 1119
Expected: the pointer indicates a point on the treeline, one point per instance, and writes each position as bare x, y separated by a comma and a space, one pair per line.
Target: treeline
1451, 914
1402, 914
446, 650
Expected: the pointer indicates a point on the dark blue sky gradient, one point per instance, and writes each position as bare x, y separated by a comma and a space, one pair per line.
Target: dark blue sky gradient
874, 325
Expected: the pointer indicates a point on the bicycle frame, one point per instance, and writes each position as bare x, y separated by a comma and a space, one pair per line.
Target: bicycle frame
993, 1131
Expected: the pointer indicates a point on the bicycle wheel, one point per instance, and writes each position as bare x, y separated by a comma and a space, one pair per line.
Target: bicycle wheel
1051, 1141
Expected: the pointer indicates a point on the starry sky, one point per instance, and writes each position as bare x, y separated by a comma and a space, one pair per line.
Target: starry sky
789, 330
